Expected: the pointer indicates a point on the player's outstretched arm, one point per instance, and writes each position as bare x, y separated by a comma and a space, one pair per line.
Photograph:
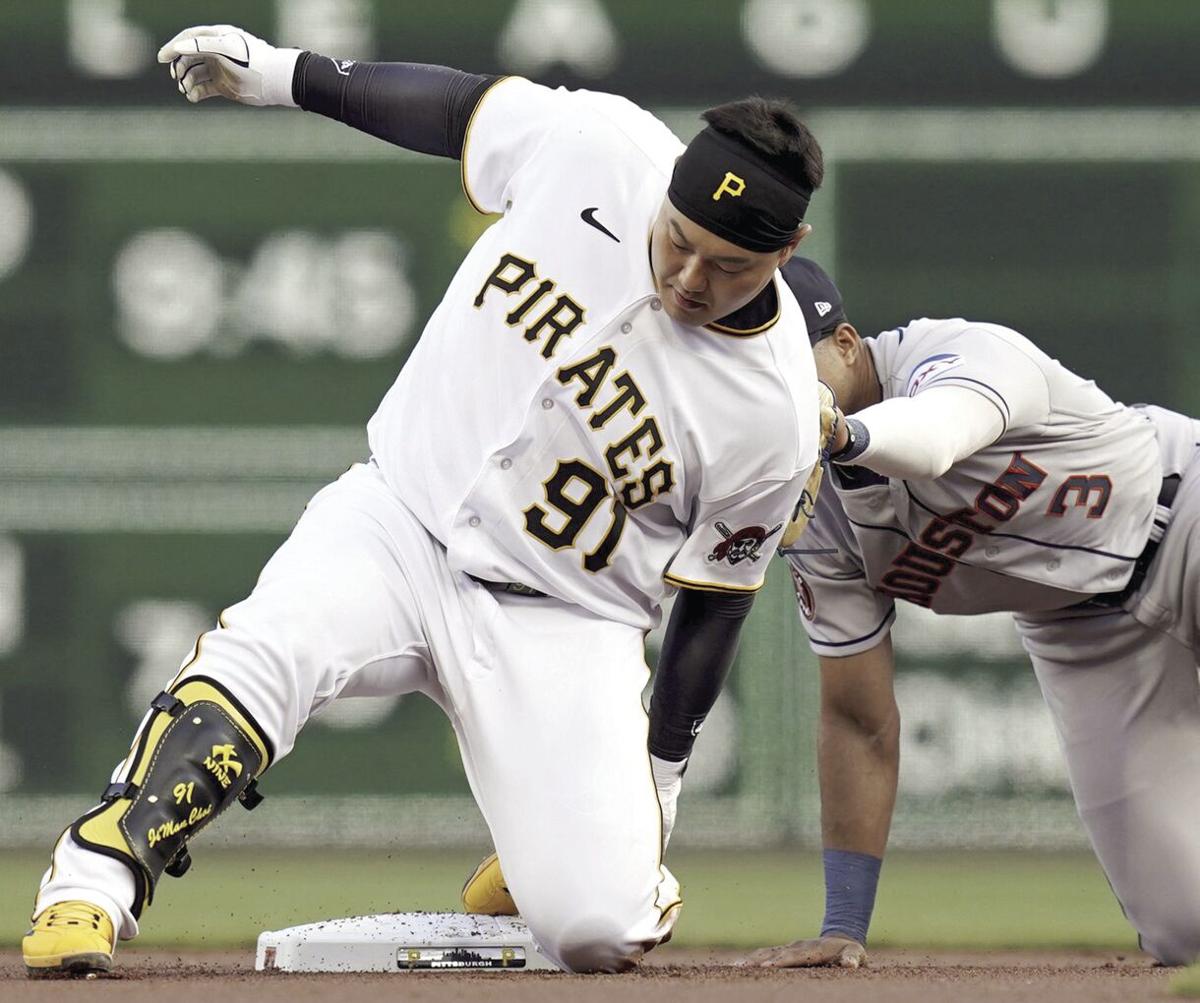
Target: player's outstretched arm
859, 758
417, 106
219, 60
920, 437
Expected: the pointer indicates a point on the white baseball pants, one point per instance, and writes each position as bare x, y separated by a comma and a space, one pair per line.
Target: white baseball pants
544, 697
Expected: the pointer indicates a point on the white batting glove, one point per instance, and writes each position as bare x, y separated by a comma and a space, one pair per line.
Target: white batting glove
668, 779
219, 59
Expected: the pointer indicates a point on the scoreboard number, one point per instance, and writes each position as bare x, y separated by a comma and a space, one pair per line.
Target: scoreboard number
16, 224
349, 295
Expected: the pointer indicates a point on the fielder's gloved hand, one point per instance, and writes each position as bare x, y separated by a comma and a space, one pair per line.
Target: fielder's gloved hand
668, 779
832, 429
219, 59
832, 950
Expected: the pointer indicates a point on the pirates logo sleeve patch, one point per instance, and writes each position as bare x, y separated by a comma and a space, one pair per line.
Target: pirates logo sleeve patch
742, 544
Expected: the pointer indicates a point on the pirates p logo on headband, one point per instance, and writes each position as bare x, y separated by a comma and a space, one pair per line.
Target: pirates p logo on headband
732, 190
730, 185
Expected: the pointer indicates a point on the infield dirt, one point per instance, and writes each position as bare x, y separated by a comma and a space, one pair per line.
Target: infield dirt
666, 976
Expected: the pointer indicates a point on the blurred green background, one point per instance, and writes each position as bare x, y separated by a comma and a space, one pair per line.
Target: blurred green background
200, 308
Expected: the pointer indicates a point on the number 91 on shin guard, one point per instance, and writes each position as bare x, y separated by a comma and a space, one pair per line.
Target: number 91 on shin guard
198, 751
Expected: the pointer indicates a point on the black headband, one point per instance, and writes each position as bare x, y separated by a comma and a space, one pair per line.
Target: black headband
732, 190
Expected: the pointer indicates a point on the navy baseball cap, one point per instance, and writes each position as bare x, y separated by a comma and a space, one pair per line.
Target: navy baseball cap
819, 298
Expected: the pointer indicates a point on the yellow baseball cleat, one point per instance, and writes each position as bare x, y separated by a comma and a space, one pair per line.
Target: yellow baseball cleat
486, 893
71, 938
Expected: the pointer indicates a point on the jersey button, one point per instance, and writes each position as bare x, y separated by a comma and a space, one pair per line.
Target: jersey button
992, 551
505, 463
656, 304
473, 521
626, 327
547, 403
1053, 564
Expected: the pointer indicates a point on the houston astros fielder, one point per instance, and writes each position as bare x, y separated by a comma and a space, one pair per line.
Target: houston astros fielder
578, 434
976, 473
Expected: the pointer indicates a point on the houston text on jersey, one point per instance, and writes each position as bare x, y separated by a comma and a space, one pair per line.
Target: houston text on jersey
918, 571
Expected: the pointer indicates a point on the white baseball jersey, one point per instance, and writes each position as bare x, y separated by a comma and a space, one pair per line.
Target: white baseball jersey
554, 427
1057, 509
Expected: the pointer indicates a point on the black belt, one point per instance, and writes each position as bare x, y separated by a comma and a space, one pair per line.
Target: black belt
1141, 564
514, 588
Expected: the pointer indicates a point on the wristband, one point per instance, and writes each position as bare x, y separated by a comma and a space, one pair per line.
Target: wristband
857, 440
850, 882
278, 69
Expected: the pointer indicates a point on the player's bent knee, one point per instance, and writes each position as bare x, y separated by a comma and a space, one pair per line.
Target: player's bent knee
198, 751
595, 935
1168, 925
590, 944
1174, 952
1176, 943
592, 919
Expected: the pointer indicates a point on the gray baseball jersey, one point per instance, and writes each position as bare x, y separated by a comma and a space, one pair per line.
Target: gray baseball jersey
1057, 509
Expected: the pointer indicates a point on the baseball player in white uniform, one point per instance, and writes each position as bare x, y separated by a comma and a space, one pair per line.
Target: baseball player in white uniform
577, 436
976, 473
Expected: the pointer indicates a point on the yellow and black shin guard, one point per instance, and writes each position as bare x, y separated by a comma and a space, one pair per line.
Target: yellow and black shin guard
198, 752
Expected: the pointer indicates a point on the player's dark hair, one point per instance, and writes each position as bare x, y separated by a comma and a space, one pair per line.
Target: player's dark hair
772, 127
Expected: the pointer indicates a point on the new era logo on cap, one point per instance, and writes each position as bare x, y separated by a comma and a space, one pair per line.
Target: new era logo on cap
818, 298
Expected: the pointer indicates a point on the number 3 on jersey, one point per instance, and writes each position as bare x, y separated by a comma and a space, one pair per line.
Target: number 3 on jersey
575, 491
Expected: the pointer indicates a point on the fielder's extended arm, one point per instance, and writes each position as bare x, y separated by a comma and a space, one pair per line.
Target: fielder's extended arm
858, 755
858, 750
859, 760
921, 437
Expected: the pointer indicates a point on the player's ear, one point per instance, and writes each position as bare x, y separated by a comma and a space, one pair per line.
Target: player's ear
847, 342
790, 248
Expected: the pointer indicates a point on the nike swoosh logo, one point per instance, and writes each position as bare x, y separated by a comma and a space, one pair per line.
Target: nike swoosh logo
224, 55
589, 217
